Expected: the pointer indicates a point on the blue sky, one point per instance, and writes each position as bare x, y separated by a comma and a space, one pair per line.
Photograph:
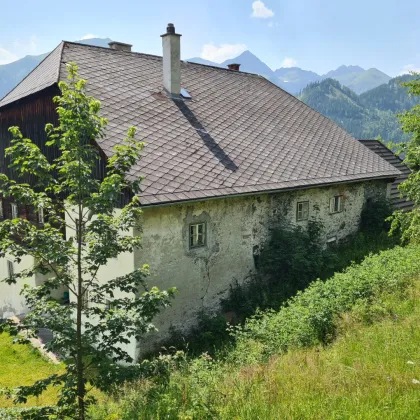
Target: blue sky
317, 35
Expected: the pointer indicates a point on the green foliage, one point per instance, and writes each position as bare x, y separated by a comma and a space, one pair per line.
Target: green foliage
292, 258
91, 336
208, 388
365, 116
289, 261
375, 214
409, 222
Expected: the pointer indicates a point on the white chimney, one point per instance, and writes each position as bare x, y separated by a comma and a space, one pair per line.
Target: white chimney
171, 44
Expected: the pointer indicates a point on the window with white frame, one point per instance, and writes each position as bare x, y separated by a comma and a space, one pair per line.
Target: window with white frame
302, 211
1, 209
10, 269
197, 236
336, 204
41, 219
14, 210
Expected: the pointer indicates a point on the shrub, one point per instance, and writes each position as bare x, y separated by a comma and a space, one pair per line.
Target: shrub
309, 318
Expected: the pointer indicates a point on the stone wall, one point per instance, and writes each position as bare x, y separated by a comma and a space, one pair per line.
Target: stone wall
236, 228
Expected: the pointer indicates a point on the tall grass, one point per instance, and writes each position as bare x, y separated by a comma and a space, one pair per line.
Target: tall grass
255, 379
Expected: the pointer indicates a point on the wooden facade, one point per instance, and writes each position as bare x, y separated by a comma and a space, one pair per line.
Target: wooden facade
31, 114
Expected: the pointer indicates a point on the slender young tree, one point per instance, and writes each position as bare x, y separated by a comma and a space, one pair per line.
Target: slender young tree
82, 231
409, 222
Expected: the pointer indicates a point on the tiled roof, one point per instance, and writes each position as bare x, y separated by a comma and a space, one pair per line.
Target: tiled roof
44, 75
381, 150
239, 133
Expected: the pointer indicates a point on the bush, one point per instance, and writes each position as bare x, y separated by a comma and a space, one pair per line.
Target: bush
309, 318
197, 388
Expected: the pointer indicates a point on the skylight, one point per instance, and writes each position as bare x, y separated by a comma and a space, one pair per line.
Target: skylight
185, 94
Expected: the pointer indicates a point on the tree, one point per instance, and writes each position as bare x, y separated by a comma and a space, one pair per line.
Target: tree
89, 336
409, 222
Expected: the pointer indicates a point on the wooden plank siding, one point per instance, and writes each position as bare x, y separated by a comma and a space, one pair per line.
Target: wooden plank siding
400, 203
31, 114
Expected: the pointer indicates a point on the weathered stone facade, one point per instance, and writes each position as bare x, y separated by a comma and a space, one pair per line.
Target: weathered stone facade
236, 228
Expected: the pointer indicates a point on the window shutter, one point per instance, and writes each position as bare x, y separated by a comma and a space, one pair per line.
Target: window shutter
332, 205
340, 203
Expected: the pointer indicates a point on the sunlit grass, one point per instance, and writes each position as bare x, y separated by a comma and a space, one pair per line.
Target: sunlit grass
370, 372
23, 365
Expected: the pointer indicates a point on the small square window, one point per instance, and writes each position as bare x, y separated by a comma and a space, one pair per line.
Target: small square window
302, 211
14, 210
10, 269
336, 204
197, 235
110, 306
41, 219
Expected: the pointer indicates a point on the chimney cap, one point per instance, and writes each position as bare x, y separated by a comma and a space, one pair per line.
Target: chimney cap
234, 66
170, 30
119, 46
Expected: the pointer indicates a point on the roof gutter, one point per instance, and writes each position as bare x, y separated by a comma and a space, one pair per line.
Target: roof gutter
329, 184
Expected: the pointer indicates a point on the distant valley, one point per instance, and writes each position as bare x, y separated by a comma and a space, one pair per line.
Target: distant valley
363, 102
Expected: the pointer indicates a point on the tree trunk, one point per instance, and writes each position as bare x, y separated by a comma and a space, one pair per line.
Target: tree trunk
80, 293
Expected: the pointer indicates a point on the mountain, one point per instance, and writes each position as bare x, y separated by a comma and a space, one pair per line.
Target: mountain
251, 64
11, 74
357, 78
294, 79
368, 115
200, 60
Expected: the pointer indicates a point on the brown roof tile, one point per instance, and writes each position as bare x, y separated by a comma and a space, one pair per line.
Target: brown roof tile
238, 134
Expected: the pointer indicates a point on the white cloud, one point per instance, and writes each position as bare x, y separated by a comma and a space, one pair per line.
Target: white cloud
20, 48
409, 68
88, 36
223, 52
261, 11
273, 24
6, 56
288, 62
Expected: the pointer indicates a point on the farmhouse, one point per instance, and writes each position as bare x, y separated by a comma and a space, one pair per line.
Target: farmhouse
227, 153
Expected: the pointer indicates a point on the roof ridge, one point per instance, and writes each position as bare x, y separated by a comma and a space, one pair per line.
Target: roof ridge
110, 49
61, 44
158, 56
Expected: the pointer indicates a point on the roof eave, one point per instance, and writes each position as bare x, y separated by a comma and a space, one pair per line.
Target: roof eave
390, 177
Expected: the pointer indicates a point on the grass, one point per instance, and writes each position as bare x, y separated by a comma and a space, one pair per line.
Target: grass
367, 373
346, 348
23, 365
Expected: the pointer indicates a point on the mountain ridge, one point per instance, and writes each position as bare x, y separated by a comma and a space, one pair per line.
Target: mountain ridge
294, 79
13, 73
368, 115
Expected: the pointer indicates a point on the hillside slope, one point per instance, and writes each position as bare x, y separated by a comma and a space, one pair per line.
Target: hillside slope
346, 348
369, 115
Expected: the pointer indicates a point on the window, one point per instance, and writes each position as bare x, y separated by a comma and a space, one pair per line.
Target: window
77, 226
1, 209
41, 215
197, 235
14, 210
302, 211
336, 204
10, 269
110, 306
331, 242
85, 298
